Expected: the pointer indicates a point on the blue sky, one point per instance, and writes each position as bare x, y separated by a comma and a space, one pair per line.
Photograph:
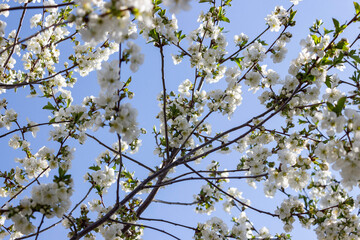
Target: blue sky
245, 16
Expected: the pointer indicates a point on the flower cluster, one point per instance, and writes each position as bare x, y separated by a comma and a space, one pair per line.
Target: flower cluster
125, 123
136, 58
277, 18
7, 118
99, 20
254, 53
242, 228
287, 208
234, 193
52, 199
205, 58
279, 50
89, 58
102, 178
38, 163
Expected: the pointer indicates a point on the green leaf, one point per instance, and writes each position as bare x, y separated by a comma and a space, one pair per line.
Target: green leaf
342, 44
153, 34
302, 121
340, 105
336, 24
224, 19
338, 28
316, 39
95, 168
227, 3
326, 31
262, 42
128, 81
328, 82
62, 172
357, 7
356, 58
330, 106
292, 14
202, 1
237, 60
326, 62
49, 106
180, 36
77, 116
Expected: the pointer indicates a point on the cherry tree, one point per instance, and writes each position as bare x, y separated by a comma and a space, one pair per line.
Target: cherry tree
301, 148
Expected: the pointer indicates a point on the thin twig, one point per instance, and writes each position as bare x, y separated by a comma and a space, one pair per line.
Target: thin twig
15, 195
16, 36
232, 197
145, 226
174, 203
120, 170
164, 100
43, 230
36, 7
82, 200
32, 126
39, 227
34, 35
116, 152
171, 181
166, 221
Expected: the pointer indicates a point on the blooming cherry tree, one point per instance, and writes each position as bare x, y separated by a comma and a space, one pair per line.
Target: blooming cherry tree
309, 160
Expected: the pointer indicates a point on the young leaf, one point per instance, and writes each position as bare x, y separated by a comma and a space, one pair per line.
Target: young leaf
328, 82
340, 105
357, 7
95, 168
330, 106
336, 24
49, 106
237, 60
